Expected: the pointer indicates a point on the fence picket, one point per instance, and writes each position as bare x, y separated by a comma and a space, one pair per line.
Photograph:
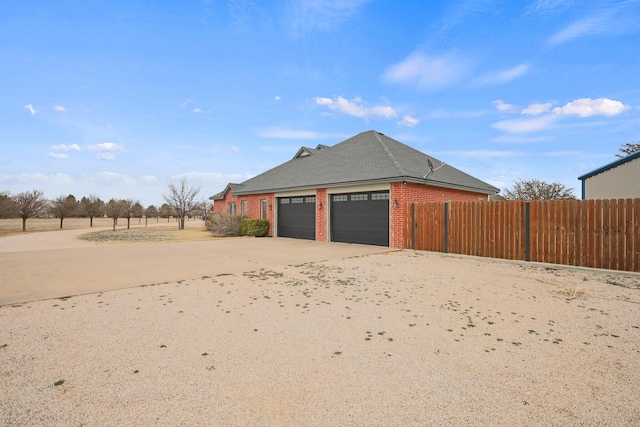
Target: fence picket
590, 233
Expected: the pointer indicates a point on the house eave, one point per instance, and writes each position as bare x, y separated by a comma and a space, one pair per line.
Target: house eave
368, 182
611, 165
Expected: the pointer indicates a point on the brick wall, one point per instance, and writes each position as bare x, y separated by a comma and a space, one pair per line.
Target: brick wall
401, 192
253, 206
416, 193
321, 214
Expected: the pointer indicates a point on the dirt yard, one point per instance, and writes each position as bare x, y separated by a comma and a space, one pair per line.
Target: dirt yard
378, 339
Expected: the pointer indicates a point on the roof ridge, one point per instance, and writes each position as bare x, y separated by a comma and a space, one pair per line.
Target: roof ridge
389, 154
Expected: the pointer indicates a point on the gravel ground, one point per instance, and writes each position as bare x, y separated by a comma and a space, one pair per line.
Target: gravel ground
400, 338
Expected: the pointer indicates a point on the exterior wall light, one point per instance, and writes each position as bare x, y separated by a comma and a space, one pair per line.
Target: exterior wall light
395, 204
320, 206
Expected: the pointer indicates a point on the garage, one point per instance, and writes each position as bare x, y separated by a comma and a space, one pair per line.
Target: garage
297, 217
360, 218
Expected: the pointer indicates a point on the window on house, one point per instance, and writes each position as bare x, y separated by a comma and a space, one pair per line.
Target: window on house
340, 198
310, 199
359, 197
297, 200
231, 208
263, 209
243, 207
380, 196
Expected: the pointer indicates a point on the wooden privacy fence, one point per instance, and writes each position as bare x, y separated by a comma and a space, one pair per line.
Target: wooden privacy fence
587, 233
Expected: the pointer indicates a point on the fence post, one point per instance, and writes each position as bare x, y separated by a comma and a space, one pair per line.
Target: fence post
413, 226
446, 227
527, 231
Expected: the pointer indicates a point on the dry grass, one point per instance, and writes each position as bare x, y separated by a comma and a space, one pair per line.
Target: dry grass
194, 230
148, 235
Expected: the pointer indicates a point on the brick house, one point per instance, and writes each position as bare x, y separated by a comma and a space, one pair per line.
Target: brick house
351, 192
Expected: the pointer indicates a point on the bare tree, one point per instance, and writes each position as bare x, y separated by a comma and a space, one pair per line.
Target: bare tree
128, 209
150, 212
92, 207
166, 211
534, 189
63, 207
181, 197
29, 204
137, 211
7, 205
628, 148
114, 209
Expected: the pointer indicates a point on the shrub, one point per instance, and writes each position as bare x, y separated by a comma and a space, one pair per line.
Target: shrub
224, 225
254, 227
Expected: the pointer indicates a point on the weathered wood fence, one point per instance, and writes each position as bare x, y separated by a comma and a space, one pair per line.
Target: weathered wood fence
588, 233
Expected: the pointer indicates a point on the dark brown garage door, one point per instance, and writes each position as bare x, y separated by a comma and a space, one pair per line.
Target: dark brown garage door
297, 217
360, 218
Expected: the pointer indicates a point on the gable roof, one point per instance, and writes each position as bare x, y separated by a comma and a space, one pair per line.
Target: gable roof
369, 157
611, 165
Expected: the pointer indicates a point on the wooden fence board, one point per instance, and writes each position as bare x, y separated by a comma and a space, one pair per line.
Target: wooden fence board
590, 233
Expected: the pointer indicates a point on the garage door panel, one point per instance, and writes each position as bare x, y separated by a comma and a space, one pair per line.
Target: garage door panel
360, 218
297, 217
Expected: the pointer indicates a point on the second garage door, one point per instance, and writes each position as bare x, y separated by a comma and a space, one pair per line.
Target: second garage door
360, 218
297, 217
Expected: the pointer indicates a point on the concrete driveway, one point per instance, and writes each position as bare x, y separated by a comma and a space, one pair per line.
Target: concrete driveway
55, 264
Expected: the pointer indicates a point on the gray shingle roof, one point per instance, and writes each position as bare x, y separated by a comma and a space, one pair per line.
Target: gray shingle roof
365, 158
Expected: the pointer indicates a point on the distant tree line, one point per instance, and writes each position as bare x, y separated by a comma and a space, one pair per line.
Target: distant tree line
181, 203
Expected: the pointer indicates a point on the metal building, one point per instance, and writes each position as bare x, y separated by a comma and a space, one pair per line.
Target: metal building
616, 180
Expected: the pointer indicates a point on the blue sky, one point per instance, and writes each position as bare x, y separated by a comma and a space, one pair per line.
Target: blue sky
119, 98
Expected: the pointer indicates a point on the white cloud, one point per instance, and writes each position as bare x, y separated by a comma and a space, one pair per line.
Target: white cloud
105, 150
64, 147
277, 98
31, 110
611, 18
575, 30
525, 125
355, 108
519, 139
483, 153
186, 103
536, 109
278, 132
54, 155
283, 133
429, 72
504, 107
408, 121
504, 76
60, 108
37, 179
111, 179
587, 107
197, 110
148, 180
545, 6
309, 15
211, 181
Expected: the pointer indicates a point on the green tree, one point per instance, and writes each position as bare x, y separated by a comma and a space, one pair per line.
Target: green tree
534, 189
29, 204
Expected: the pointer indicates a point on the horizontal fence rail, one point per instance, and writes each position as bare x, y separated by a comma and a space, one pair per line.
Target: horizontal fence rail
587, 233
